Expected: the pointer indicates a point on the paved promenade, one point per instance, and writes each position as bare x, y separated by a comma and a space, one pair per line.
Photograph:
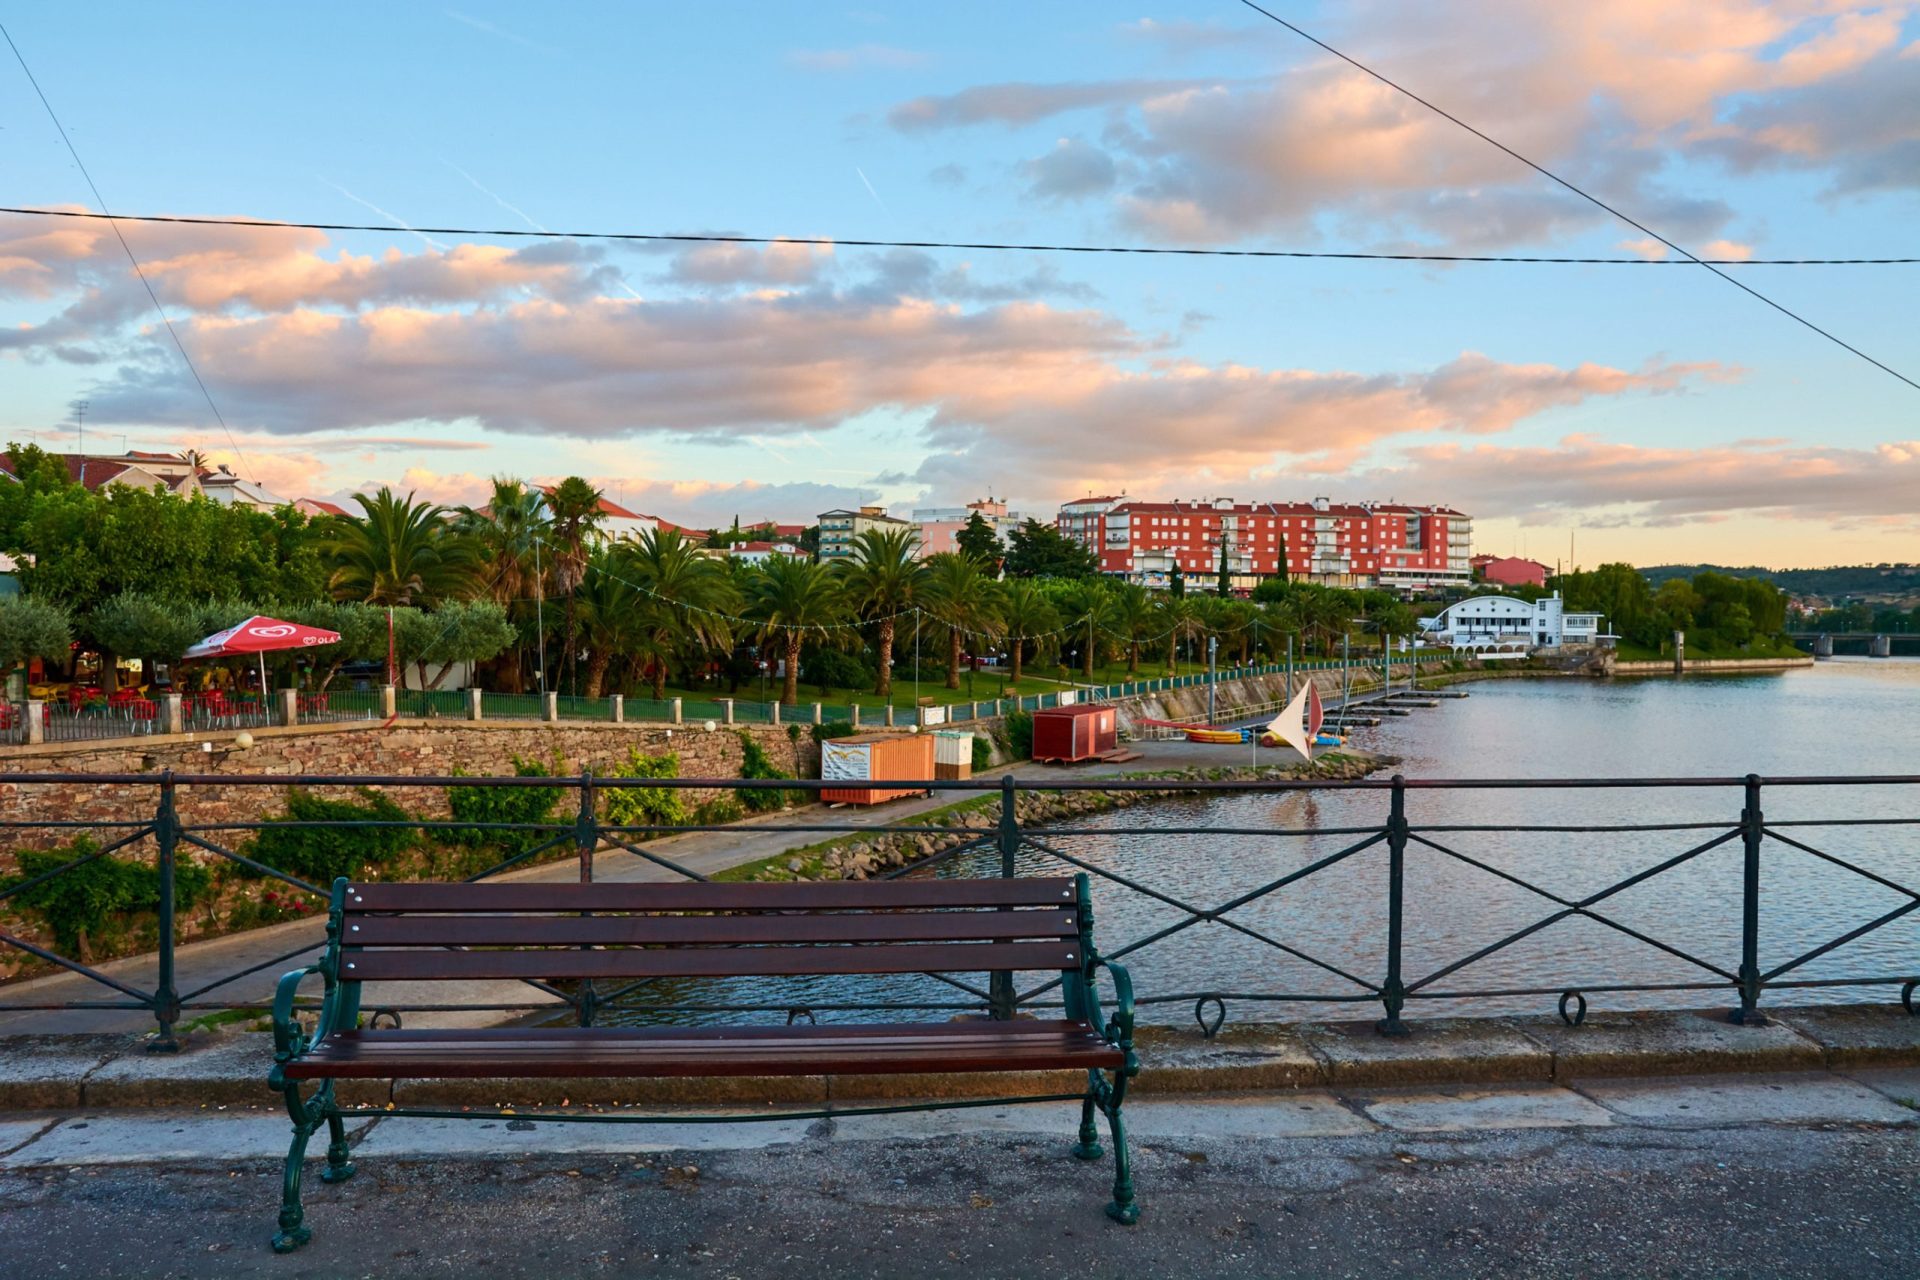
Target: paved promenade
1810, 1174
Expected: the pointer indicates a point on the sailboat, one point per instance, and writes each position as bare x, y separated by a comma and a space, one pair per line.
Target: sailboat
1299, 725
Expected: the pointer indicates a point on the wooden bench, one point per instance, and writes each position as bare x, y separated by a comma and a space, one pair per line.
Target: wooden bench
542, 933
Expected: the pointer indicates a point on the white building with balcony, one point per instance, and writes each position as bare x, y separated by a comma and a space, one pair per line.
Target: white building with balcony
1482, 621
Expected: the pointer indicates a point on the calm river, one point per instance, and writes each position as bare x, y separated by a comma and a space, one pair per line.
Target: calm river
1844, 716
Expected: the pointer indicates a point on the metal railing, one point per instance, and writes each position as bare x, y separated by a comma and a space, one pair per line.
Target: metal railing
1372, 853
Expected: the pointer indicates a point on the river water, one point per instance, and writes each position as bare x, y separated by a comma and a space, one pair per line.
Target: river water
1841, 717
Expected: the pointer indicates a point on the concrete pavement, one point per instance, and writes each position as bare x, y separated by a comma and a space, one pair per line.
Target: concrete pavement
1802, 1174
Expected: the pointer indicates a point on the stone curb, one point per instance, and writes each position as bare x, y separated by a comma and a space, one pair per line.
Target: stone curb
92, 1071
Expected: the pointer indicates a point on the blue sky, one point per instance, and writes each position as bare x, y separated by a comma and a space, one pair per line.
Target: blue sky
1657, 410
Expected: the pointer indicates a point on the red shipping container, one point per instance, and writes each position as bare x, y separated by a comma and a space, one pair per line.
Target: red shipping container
875, 757
1081, 732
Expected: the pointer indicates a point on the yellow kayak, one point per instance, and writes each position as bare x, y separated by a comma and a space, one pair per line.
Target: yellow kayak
1213, 735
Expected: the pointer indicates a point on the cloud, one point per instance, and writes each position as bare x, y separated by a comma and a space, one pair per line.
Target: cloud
1019, 104
1609, 93
1582, 475
782, 262
1181, 36
1073, 169
859, 58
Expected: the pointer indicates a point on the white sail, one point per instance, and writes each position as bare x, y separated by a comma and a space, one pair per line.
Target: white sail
1291, 726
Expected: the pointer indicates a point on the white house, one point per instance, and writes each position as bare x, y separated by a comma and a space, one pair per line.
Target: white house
1486, 620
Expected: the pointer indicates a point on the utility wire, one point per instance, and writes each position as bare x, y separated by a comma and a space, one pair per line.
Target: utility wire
128, 249
829, 242
1590, 199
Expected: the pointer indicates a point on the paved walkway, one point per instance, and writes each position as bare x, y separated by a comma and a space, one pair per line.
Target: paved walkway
279, 948
1735, 1175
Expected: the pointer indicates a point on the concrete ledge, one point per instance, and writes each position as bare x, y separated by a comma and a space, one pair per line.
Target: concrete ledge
1858, 1035
1662, 1044
1440, 1050
224, 1069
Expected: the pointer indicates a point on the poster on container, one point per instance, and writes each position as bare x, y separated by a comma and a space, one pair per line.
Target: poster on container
840, 762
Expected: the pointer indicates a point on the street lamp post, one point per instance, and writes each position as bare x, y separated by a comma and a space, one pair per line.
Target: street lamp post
1213, 678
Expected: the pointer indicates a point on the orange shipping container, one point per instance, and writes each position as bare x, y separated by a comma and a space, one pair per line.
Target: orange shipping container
875, 758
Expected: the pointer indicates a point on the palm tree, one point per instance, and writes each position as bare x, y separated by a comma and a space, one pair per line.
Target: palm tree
1025, 614
1132, 616
576, 515
612, 618
1232, 621
1179, 619
881, 581
794, 600
961, 597
685, 600
1083, 605
398, 552
508, 532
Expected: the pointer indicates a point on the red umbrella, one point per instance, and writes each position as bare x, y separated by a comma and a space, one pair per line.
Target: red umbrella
261, 635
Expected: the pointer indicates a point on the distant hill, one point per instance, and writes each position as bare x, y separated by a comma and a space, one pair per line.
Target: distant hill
1841, 580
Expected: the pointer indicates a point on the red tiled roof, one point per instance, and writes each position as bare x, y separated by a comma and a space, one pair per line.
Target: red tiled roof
324, 507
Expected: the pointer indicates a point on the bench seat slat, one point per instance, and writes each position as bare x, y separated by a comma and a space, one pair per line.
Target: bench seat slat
705, 962
550, 931
834, 895
886, 1049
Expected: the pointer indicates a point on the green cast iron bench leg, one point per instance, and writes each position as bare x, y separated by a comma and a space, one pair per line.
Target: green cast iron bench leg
1089, 1146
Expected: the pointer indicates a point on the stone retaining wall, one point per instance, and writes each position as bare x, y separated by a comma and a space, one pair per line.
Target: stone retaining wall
406, 748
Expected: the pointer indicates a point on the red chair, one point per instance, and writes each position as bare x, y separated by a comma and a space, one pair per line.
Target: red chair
144, 713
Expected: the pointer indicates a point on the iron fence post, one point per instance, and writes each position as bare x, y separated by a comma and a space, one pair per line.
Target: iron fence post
1751, 827
586, 838
1000, 982
166, 993
1393, 993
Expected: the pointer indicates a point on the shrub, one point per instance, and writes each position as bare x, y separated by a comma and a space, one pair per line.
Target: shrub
835, 729
829, 669
982, 752
1018, 731
646, 806
506, 804
718, 812
319, 855
755, 764
77, 905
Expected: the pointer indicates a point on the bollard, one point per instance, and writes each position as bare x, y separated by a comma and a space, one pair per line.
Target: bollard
619, 704
773, 713
550, 707
288, 712
389, 702
726, 716
889, 716
475, 704
173, 713
676, 711
816, 713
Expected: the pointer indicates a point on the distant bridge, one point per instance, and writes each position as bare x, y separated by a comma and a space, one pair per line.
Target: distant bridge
1858, 643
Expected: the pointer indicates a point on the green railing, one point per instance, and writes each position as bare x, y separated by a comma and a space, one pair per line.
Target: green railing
569, 706
512, 706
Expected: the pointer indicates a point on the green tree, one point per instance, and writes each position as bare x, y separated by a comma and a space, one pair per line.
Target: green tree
794, 601
1133, 616
1026, 614
978, 542
399, 552
613, 618
1179, 619
147, 627
508, 535
576, 519
962, 598
686, 600
32, 629
362, 629
881, 581
1082, 604
458, 631
1038, 550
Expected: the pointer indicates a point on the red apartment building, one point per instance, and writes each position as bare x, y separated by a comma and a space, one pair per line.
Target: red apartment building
1364, 545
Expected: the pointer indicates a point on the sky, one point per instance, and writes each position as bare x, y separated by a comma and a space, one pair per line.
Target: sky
1589, 413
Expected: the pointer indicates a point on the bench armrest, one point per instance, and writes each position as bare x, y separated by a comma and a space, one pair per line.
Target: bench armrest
289, 1041
1117, 1030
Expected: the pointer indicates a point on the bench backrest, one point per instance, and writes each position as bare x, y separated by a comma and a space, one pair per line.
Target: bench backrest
412, 932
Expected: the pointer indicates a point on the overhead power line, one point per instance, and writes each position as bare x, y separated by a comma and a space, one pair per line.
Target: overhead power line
1594, 200
100, 200
984, 246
